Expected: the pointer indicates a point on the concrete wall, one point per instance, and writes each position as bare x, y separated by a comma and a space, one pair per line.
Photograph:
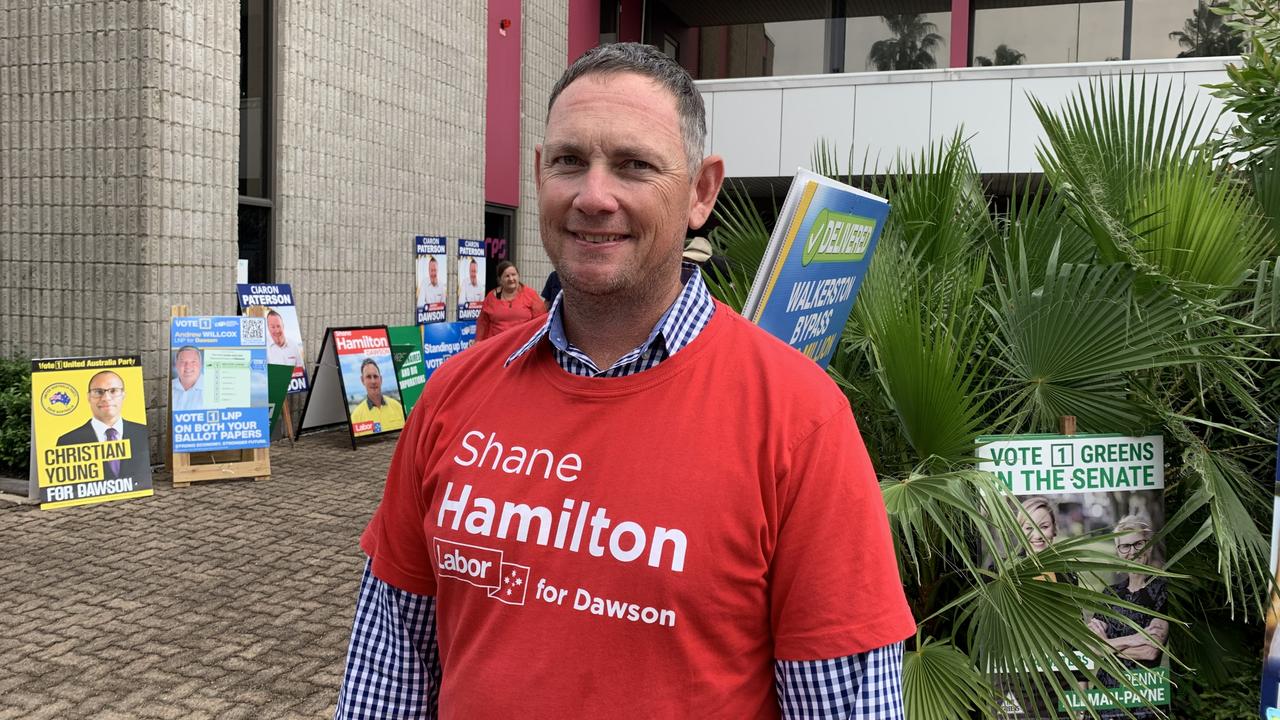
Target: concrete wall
119, 144
118, 150
380, 118
546, 53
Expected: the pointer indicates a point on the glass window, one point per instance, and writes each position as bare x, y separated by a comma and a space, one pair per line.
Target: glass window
254, 209
608, 22
254, 97
759, 49
915, 41
798, 47
802, 47
1065, 32
1180, 28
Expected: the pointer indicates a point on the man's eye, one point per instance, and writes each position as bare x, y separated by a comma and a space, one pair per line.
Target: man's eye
567, 161
634, 164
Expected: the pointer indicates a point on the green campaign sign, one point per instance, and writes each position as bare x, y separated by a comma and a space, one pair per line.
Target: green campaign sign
1053, 464
1107, 487
1151, 684
278, 379
406, 354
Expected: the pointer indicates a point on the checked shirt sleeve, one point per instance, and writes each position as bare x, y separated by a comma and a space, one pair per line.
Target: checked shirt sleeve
865, 686
393, 664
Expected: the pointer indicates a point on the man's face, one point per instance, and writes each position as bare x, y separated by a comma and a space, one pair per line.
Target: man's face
614, 191
474, 273
433, 269
106, 396
275, 326
188, 366
372, 380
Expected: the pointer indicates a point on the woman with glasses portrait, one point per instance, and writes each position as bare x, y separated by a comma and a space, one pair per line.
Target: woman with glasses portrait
1135, 649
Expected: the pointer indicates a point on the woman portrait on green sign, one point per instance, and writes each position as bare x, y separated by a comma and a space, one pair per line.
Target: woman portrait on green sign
1135, 649
1040, 526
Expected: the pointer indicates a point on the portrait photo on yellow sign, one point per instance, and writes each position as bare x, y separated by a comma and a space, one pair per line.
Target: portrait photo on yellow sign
89, 430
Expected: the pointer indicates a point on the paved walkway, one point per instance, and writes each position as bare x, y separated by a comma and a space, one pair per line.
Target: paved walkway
229, 599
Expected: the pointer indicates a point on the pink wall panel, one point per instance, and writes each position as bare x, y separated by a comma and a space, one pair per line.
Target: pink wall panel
502, 105
584, 27
960, 10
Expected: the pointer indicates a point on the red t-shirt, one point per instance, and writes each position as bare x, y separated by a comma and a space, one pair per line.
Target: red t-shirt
642, 546
497, 315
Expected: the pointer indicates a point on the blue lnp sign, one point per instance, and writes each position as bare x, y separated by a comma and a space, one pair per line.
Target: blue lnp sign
441, 341
284, 335
471, 262
218, 394
432, 272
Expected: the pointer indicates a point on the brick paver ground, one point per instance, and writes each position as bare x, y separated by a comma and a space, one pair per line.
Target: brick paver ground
230, 599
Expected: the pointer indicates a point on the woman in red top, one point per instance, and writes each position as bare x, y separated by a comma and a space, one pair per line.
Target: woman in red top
510, 304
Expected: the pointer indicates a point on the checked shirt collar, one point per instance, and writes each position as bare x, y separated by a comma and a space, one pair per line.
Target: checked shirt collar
679, 325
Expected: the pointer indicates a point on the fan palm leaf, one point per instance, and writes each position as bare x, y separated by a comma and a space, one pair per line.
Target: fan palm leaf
1036, 224
1103, 146
924, 327
1067, 343
937, 200
1032, 633
939, 682
742, 238
1233, 499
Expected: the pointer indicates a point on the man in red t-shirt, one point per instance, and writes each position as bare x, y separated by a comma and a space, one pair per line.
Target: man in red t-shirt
643, 505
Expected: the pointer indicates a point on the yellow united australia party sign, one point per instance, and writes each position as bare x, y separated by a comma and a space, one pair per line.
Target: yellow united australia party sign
89, 430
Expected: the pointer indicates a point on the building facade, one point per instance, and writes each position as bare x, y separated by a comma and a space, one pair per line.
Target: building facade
147, 146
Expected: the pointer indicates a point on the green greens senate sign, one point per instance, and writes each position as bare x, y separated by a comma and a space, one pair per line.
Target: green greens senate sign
1053, 464
1107, 487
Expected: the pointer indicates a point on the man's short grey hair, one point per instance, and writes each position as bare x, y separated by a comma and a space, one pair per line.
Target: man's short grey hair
650, 62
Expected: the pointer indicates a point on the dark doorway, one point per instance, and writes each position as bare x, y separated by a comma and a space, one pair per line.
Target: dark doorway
499, 240
255, 240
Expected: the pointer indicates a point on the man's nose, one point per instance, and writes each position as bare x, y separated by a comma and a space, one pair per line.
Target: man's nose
598, 192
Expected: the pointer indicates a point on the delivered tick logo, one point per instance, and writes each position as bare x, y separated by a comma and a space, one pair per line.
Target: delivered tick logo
483, 568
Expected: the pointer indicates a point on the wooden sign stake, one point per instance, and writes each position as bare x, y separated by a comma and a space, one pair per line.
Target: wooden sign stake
1067, 424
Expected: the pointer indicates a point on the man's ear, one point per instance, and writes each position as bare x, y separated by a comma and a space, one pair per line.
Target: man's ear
537, 166
706, 187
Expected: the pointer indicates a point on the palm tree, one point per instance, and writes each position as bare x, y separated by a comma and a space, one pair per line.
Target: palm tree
912, 47
1004, 55
1205, 35
1136, 290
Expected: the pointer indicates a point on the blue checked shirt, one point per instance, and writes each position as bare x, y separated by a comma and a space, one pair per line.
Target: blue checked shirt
393, 664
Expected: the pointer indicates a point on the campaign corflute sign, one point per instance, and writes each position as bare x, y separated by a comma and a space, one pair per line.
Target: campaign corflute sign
218, 394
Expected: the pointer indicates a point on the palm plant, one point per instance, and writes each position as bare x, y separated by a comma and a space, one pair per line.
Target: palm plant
1004, 55
1137, 290
1252, 91
912, 47
1204, 34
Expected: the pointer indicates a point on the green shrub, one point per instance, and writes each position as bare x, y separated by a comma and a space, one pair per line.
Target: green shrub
15, 417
